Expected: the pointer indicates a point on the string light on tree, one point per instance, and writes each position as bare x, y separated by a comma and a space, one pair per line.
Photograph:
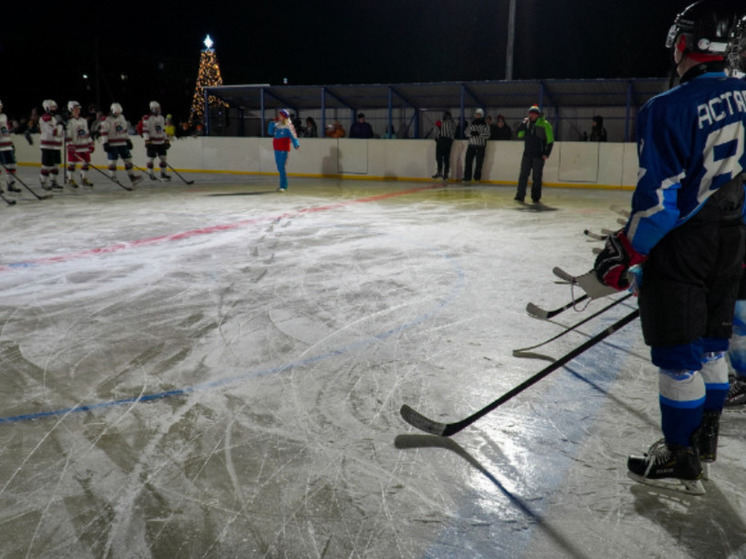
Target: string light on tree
207, 75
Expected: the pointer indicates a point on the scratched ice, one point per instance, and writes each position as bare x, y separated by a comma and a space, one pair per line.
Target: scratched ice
217, 371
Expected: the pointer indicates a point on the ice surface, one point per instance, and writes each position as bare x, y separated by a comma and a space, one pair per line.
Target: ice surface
217, 371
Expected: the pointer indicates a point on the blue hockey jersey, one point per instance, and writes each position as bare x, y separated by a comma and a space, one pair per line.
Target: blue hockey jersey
691, 141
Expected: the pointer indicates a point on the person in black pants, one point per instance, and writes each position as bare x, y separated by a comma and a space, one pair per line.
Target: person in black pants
444, 134
538, 138
477, 132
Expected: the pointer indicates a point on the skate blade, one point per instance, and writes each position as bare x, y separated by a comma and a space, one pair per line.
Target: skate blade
705, 471
689, 487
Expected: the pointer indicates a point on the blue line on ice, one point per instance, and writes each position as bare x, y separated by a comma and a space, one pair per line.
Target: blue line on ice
456, 288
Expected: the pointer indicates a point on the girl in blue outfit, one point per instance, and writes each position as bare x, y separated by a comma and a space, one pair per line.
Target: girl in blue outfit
283, 132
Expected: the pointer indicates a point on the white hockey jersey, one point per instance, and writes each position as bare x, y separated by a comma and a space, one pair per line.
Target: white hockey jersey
5, 142
78, 135
51, 132
154, 129
114, 131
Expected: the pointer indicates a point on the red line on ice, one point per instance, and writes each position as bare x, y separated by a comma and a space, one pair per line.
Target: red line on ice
205, 230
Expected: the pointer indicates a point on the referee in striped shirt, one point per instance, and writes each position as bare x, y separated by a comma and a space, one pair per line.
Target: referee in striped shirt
444, 134
477, 132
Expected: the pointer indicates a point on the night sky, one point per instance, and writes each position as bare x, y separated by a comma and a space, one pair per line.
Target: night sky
145, 51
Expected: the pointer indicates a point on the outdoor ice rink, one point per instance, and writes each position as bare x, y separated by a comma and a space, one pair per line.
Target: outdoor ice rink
216, 371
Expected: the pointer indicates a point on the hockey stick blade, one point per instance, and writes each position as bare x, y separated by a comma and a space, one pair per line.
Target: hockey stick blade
522, 351
32, 191
561, 274
7, 201
624, 212
416, 419
588, 282
178, 175
594, 236
538, 312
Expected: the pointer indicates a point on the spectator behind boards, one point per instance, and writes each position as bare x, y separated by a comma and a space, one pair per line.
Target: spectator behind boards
361, 129
598, 132
335, 130
503, 131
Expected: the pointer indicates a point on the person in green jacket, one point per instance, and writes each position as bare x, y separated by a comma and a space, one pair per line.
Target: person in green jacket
538, 139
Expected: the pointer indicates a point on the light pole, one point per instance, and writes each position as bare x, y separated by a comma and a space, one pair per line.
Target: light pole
511, 41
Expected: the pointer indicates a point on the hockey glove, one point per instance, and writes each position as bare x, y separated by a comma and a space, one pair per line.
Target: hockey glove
107, 147
129, 143
615, 259
168, 145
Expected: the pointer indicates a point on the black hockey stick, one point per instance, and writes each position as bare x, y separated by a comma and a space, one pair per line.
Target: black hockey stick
538, 312
149, 173
422, 423
517, 352
128, 188
178, 175
31, 190
7, 201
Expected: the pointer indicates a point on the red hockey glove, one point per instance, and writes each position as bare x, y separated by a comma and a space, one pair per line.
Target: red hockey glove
615, 259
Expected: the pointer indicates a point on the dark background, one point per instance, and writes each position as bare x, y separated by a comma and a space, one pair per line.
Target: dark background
135, 52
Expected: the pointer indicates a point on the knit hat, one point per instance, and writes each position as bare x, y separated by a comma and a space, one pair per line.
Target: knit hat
479, 112
534, 109
285, 113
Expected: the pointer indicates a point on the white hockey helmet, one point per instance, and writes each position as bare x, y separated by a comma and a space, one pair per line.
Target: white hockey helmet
49, 105
115, 109
155, 107
71, 106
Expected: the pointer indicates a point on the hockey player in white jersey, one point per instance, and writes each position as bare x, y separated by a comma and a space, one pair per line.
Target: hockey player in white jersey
117, 144
52, 135
156, 141
7, 152
79, 145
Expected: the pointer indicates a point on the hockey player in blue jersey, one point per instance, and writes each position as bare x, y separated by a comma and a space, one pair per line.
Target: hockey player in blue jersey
737, 349
686, 236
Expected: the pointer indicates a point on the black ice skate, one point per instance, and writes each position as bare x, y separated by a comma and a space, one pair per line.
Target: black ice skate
707, 436
135, 179
736, 393
668, 466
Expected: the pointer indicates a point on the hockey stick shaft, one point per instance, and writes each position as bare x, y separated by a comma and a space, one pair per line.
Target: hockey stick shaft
148, 172
7, 201
538, 312
423, 423
27, 187
574, 326
112, 179
178, 175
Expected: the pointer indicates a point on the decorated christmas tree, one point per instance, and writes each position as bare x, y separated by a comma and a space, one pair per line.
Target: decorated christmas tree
208, 75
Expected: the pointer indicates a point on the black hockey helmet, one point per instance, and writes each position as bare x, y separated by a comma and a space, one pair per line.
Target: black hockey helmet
703, 30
